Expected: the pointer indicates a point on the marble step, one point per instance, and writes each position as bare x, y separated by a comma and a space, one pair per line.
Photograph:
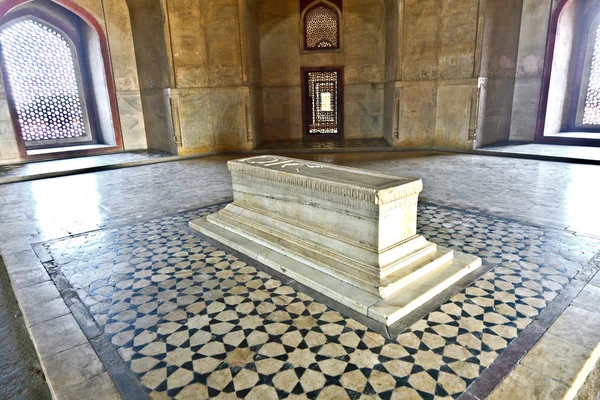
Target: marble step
356, 253
422, 258
385, 311
417, 269
419, 292
304, 251
407, 270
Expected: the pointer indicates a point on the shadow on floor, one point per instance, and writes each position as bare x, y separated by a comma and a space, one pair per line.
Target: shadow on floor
21, 376
558, 151
46, 169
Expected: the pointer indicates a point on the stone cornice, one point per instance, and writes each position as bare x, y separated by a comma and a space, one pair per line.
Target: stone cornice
262, 167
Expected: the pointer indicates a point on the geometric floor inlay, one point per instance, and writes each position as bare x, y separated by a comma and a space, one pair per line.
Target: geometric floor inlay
192, 321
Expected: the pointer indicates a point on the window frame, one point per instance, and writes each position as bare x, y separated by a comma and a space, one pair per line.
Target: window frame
588, 43
303, 36
80, 76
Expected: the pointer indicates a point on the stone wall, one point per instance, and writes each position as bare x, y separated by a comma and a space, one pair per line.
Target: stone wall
9, 150
362, 55
498, 69
432, 66
211, 88
530, 69
196, 76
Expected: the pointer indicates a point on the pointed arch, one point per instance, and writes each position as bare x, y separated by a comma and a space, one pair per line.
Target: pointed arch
45, 82
321, 23
106, 104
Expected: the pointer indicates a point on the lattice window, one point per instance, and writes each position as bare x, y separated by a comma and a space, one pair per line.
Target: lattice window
321, 28
591, 112
43, 81
323, 92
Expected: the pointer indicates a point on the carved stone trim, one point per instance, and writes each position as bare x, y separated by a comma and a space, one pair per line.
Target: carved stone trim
345, 201
288, 176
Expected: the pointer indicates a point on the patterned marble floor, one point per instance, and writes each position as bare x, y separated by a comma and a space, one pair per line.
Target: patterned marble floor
193, 321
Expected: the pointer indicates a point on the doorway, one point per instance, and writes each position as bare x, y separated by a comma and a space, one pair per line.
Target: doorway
322, 102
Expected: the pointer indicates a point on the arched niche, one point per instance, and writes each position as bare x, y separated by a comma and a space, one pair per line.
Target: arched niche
92, 53
321, 25
571, 38
281, 55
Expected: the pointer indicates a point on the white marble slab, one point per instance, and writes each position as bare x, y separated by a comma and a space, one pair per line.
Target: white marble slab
348, 233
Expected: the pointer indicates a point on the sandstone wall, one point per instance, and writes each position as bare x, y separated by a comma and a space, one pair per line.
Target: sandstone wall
211, 91
362, 55
498, 69
432, 65
194, 76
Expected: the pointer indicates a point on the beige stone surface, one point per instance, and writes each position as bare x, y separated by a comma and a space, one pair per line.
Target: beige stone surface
132, 121
8, 144
595, 280
363, 114
34, 295
281, 105
57, 335
417, 114
588, 299
457, 37
533, 36
46, 311
587, 335
526, 101
523, 383
188, 39
222, 33
73, 366
420, 43
452, 115
557, 358
118, 25
100, 386
227, 113
196, 122
94, 7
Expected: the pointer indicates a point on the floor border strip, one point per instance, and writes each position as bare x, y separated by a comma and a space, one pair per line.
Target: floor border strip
124, 379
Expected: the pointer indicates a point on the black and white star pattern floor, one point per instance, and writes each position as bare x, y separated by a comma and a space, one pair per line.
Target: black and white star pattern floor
192, 320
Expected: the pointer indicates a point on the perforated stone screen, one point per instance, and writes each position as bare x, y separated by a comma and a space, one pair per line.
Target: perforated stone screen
323, 93
591, 112
321, 28
43, 81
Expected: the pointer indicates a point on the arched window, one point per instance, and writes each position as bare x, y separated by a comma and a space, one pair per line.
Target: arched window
591, 111
570, 98
588, 115
58, 80
45, 83
321, 26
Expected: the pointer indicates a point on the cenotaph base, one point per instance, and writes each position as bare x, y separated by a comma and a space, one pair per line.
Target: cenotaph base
347, 233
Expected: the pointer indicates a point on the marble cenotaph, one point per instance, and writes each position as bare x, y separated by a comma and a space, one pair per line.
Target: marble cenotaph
347, 233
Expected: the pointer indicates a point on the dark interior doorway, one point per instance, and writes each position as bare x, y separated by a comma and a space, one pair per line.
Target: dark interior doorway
322, 102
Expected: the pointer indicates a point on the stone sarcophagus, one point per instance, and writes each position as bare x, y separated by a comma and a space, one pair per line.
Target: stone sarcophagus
347, 233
